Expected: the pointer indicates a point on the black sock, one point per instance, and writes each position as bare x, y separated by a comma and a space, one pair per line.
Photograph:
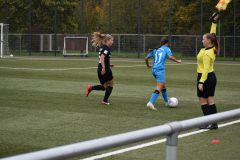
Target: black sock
213, 109
107, 93
98, 87
205, 109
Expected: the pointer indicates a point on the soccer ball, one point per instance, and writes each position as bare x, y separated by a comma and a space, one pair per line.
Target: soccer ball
172, 102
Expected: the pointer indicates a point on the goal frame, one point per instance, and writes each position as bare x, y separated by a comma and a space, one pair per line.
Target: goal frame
2, 40
78, 52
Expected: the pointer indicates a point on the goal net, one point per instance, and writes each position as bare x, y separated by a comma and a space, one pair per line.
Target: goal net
75, 46
4, 47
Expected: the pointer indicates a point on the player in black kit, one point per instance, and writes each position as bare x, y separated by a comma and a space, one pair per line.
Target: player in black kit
103, 42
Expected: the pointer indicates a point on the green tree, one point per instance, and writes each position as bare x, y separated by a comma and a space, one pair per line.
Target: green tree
16, 13
157, 17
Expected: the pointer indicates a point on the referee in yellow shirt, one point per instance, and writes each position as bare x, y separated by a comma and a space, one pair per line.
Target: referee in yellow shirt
206, 79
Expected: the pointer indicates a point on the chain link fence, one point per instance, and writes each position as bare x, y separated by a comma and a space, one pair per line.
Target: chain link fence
124, 44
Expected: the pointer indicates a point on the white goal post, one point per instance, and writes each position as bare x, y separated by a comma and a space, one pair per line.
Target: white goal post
4, 47
75, 46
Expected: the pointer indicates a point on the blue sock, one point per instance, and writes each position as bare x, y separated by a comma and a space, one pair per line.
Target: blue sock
154, 96
165, 95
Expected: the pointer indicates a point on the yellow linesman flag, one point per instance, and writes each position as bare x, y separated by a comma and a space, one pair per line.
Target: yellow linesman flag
222, 5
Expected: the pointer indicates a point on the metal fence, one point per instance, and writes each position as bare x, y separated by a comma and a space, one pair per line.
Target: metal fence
127, 44
171, 130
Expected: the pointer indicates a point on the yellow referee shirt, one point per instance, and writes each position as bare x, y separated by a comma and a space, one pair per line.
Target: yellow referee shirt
206, 58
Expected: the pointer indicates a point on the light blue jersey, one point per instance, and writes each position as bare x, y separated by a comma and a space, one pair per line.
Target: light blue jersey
159, 57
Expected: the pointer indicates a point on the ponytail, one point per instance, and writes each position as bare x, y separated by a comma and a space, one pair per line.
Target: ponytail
215, 43
99, 39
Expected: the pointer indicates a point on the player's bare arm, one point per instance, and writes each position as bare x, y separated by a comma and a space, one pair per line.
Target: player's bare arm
175, 60
147, 62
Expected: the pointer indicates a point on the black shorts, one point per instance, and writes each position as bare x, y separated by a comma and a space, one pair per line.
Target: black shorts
108, 76
208, 86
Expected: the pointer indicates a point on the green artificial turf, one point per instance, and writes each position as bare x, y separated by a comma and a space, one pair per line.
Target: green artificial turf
43, 105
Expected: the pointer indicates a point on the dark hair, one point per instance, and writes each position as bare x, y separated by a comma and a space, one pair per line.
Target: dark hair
213, 38
163, 41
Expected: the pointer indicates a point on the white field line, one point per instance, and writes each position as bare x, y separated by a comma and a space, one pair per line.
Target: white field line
113, 60
66, 69
154, 142
47, 69
86, 68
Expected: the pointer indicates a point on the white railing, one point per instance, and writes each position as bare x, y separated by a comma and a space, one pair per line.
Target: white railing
171, 130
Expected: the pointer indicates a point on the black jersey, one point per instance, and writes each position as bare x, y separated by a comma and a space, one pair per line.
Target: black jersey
106, 51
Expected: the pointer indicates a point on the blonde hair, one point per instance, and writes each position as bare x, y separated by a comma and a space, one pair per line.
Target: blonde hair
99, 39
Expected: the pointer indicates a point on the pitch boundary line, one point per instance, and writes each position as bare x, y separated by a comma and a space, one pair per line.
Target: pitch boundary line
66, 69
113, 60
85, 68
154, 142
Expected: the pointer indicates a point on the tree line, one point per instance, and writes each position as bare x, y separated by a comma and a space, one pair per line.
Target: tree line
116, 16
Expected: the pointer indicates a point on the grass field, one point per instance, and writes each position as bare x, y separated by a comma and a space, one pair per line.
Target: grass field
43, 104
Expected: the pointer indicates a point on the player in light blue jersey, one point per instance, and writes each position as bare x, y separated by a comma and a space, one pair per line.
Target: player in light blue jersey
159, 57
